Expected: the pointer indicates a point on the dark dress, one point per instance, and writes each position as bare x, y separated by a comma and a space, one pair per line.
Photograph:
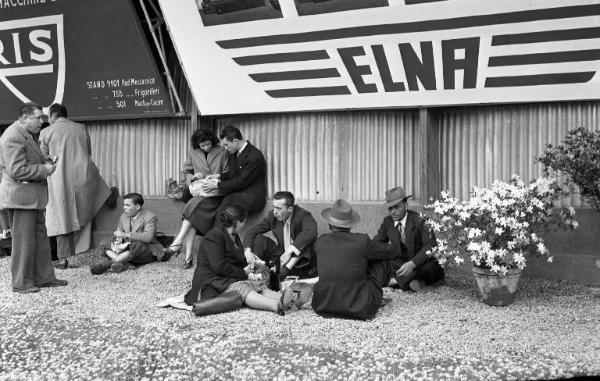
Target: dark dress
201, 211
220, 263
352, 271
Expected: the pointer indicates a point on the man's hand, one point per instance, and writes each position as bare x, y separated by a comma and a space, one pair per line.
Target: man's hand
214, 176
406, 269
252, 258
209, 186
198, 176
119, 234
285, 257
50, 168
248, 269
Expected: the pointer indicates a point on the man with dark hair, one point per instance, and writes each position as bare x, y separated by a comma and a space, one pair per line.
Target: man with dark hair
245, 182
138, 227
407, 230
295, 231
24, 193
353, 269
76, 191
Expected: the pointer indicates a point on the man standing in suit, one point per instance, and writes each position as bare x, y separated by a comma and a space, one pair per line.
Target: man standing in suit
138, 227
24, 193
353, 269
76, 191
407, 230
295, 231
245, 182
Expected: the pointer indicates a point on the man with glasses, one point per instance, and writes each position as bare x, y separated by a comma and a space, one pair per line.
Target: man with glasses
24, 193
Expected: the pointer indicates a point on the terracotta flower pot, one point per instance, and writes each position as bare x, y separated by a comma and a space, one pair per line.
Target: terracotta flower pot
497, 289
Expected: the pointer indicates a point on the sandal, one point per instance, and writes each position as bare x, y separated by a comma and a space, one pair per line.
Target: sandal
188, 263
173, 250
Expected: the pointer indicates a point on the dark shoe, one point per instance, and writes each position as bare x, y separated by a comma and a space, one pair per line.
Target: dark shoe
100, 268
119, 267
172, 251
111, 201
61, 264
29, 290
188, 264
55, 283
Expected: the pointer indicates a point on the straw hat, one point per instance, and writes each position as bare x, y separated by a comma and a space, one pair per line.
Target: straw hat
341, 215
394, 196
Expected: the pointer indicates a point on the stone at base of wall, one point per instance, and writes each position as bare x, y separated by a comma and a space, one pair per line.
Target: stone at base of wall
575, 253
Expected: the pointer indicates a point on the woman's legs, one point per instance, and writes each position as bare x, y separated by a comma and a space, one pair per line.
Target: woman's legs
185, 227
189, 241
261, 302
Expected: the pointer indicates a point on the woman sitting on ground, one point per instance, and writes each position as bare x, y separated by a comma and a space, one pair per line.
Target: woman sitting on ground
205, 158
223, 267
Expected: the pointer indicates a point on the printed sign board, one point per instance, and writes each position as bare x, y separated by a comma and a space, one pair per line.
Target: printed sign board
244, 56
89, 55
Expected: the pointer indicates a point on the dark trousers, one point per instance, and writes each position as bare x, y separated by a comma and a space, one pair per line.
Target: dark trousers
430, 272
140, 254
65, 245
31, 262
381, 272
267, 250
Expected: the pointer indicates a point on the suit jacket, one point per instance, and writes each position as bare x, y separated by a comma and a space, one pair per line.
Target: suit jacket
143, 229
303, 231
220, 263
247, 174
215, 162
23, 184
76, 190
343, 288
419, 238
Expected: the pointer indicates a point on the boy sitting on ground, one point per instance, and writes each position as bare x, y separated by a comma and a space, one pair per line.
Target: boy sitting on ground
138, 227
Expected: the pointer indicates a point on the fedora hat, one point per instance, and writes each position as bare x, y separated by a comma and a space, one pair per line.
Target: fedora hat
341, 215
394, 196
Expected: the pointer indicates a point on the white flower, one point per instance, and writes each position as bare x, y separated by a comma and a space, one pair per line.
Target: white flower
499, 231
458, 260
542, 248
550, 259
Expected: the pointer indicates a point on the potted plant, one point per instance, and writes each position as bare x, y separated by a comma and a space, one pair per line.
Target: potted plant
577, 157
496, 230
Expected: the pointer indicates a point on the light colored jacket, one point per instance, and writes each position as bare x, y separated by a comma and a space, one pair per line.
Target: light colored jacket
23, 184
76, 190
143, 229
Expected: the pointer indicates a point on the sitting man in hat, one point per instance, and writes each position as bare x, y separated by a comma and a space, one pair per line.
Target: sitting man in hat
352, 267
295, 231
406, 229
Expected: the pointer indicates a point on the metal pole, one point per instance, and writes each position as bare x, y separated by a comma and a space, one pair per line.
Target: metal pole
162, 59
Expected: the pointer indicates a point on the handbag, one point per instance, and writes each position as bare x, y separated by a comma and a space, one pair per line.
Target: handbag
196, 188
226, 302
173, 189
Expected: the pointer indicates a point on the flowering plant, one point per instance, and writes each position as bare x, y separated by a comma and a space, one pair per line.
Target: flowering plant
497, 227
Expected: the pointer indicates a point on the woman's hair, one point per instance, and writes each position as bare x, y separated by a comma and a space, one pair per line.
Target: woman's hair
202, 135
232, 215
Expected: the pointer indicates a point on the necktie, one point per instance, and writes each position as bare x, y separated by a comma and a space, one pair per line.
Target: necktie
130, 224
401, 230
237, 240
287, 237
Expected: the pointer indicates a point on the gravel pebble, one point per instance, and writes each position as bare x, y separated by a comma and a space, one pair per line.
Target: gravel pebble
106, 327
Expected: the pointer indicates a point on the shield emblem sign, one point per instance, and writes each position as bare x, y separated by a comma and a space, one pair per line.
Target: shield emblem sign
32, 61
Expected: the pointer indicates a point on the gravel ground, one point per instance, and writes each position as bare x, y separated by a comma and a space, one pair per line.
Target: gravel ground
106, 327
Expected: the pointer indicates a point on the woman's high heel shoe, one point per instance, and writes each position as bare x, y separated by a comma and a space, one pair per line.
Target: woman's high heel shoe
171, 251
188, 263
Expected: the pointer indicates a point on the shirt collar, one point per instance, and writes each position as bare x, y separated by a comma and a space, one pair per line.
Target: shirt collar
402, 221
241, 149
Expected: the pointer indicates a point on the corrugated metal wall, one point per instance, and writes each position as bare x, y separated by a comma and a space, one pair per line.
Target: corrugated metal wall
325, 156
481, 144
139, 155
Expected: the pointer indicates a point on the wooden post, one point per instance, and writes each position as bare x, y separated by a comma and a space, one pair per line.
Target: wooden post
430, 184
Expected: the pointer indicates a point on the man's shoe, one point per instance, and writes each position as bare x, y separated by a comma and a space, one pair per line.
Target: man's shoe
416, 285
100, 268
119, 267
61, 264
55, 283
29, 290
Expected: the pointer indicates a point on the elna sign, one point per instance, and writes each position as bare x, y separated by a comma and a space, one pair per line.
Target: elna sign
90, 55
245, 56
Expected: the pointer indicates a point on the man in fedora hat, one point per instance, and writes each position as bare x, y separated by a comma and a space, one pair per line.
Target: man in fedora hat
352, 267
407, 230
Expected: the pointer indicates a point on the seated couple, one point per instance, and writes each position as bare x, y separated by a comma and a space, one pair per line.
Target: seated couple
236, 174
137, 232
224, 266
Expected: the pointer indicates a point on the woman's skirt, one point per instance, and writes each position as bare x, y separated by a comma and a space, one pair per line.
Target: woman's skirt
201, 212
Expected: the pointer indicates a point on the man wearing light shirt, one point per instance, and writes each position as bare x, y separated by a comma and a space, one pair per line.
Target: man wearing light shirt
408, 230
295, 231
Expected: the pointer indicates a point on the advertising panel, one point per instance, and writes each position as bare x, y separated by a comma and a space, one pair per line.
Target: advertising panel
249, 56
89, 55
